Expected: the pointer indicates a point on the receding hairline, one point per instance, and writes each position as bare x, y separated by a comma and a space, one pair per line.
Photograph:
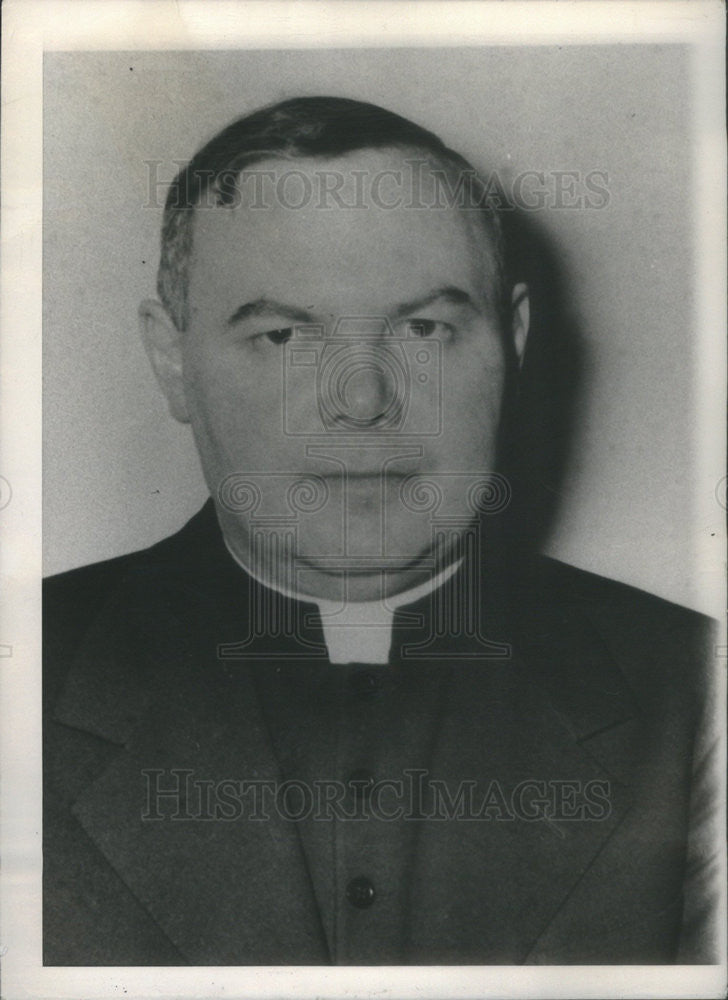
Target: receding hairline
476, 225
294, 144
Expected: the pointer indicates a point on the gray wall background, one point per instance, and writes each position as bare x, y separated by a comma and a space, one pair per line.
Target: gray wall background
120, 474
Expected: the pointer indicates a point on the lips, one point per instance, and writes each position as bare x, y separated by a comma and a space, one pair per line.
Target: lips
376, 475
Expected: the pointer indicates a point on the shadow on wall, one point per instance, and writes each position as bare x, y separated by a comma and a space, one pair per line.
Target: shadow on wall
542, 412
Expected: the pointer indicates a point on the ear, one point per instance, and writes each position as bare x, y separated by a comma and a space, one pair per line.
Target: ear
163, 344
520, 319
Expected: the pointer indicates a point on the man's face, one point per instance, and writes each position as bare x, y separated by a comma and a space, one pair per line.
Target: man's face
346, 367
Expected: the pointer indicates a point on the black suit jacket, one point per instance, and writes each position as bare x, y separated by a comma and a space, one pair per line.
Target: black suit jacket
171, 671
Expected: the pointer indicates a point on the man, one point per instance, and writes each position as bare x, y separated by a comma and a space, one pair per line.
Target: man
344, 716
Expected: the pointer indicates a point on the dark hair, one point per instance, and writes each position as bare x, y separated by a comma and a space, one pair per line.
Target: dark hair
301, 127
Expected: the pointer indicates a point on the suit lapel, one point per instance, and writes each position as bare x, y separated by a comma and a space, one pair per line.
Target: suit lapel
221, 885
549, 731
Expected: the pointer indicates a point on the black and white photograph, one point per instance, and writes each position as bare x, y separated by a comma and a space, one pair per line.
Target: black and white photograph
382, 532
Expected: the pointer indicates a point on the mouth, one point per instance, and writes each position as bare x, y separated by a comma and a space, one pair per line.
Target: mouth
366, 476
367, 488
377, 476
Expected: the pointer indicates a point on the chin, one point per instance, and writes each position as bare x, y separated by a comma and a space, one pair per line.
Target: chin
367, 569
359, 582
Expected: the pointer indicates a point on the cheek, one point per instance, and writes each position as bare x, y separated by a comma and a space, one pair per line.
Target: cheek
209, 393
473, 386
236, 415
219, 382
215, 402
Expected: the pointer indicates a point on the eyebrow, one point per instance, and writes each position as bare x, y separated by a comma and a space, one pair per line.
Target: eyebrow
272, 307
269, 307
448, 293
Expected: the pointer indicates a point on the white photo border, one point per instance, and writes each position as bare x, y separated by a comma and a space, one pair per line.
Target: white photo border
33, 27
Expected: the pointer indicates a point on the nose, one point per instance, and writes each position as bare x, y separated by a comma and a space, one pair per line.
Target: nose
362, 380
365, 392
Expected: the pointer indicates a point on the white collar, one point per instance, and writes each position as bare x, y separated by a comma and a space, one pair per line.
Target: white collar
358, 631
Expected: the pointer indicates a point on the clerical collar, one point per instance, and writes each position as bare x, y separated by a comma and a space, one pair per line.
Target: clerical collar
357, 631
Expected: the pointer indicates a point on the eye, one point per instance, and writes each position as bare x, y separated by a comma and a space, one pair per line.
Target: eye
279, 336
425, 328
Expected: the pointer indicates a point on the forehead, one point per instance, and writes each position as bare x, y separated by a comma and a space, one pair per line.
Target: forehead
348, 232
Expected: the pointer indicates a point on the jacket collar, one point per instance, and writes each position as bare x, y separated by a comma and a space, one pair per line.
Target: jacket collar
491, 609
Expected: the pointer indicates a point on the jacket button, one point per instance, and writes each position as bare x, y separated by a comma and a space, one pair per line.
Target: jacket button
360, 782
360, 892
365, 683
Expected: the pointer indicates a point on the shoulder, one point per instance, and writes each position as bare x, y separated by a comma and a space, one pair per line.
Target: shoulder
657, 643
74, 600
79, 593
598, 592
71, 602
